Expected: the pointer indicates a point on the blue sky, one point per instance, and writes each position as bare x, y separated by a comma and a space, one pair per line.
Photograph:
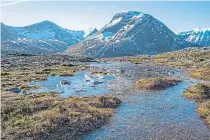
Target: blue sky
178, 16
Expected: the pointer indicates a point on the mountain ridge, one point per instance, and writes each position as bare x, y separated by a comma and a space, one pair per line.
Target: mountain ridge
43, 36
46, 30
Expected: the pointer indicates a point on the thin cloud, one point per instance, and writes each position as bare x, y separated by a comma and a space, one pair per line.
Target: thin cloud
12, 3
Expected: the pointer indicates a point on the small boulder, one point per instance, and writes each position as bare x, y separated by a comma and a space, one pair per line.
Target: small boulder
65, 82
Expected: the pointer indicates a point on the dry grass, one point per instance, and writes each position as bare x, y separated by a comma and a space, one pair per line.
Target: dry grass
203, 74
201, 93
204, 110
37, 115
100, 72
156, 83
193, 57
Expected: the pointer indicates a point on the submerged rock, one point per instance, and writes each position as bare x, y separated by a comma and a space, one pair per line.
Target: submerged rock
97, 82
14, 90
65, 82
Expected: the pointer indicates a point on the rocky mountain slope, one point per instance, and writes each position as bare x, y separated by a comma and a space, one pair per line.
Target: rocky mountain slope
129, 33
33, 46
7, 33
90, 32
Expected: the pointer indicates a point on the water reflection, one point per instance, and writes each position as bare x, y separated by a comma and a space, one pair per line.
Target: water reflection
78, 85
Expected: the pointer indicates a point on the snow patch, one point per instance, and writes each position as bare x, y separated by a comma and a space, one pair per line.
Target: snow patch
113, 22
139, 16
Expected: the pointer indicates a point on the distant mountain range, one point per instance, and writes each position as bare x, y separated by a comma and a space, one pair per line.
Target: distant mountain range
198, 37
128, 33
42, 37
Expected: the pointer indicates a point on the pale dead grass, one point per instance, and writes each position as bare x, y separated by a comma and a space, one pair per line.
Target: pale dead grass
156, 83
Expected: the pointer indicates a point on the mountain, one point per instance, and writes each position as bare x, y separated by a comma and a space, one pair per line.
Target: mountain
46, 30
37, 35
7, 33
90, 32
198, 37
129, 33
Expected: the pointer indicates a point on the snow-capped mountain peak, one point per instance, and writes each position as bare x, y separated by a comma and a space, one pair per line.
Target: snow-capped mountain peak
121, 22
126, 14
123, 18
198, 36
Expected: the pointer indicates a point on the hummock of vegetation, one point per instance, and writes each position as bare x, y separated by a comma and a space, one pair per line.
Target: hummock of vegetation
156, 83
201, 93
104, 72
46, 116
203, 74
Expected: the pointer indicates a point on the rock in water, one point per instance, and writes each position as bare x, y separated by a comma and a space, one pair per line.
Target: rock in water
15, 90
65, 82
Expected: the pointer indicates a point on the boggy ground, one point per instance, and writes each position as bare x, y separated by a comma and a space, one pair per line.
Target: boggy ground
201, 93
195, 61
46, 115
